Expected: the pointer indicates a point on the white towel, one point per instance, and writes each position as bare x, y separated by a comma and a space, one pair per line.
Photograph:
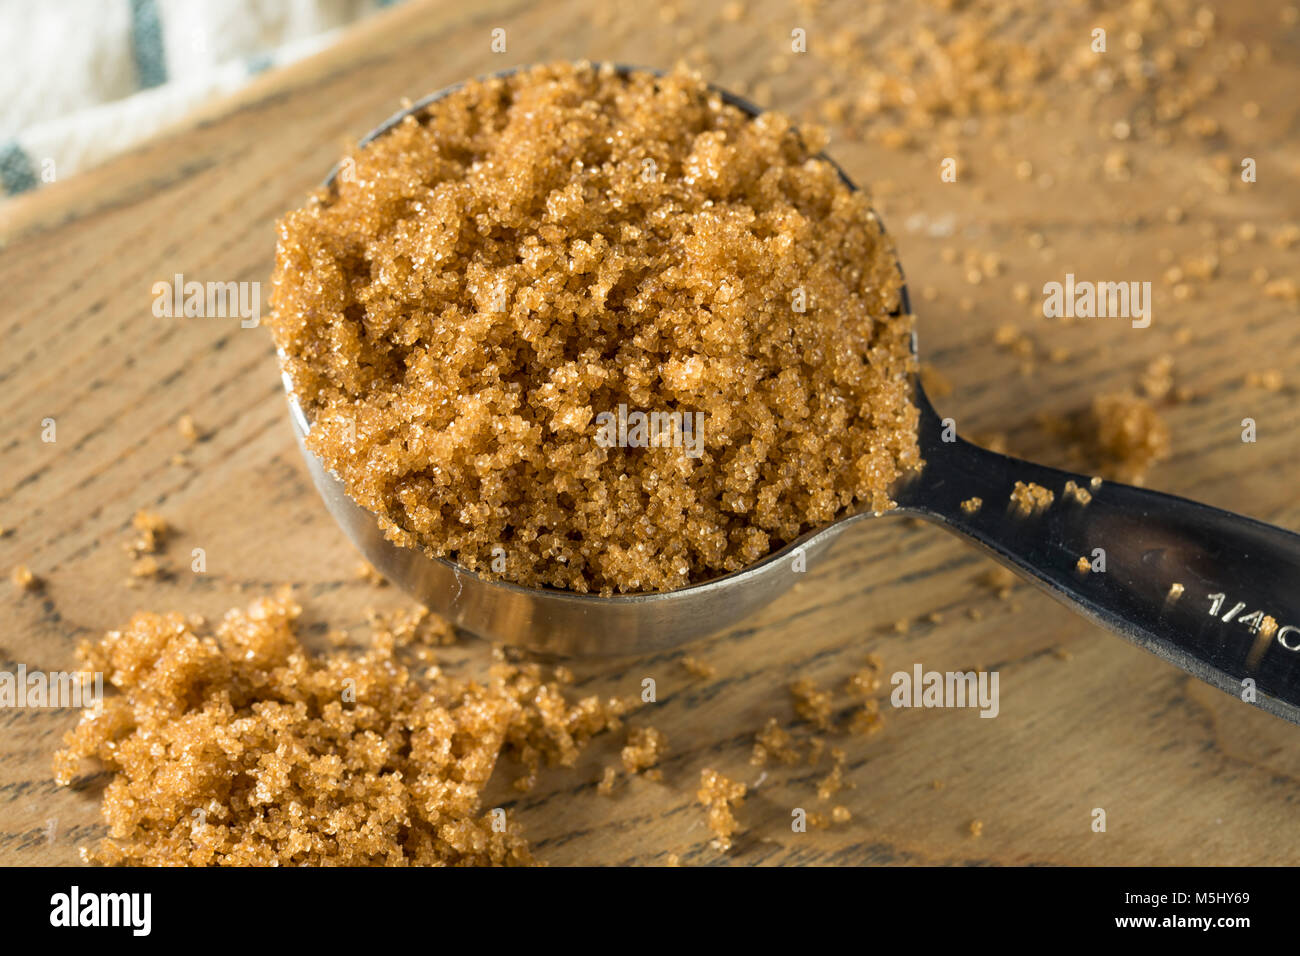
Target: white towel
85, 80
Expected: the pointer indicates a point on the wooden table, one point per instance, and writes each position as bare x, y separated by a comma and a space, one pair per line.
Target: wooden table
1185, 774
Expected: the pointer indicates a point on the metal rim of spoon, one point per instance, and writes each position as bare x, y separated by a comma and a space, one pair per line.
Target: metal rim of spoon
1214, 593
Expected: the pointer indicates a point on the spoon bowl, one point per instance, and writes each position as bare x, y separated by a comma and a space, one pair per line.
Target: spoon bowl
1214, 593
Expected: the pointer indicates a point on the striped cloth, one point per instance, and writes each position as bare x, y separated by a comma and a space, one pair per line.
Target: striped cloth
85, 80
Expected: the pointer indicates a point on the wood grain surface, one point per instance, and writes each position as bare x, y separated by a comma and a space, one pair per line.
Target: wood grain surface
1185, 774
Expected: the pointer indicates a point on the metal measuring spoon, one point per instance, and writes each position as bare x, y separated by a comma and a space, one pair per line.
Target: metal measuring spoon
1215, 593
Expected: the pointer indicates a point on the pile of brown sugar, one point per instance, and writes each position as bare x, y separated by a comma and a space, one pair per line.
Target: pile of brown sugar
484, 282
237, 746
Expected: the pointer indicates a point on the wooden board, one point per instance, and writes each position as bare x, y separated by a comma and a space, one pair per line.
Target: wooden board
1185, 774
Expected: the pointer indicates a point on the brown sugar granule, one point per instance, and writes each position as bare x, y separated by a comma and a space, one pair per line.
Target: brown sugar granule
1083, 565
733, 12
1158, 380
645, 748
1128, 434
541, 249
607, 780
1286, 288
976, 828
999, 580
144, 568
1073, 490
773, 742
294, 759
367, 572
189, 431
1271, 380
419, 629
812, 704
972, 505
698, 668
867, 719
720, 797
833, 782
1030, 497
1175, 592
24, 579
866, 681
151, 531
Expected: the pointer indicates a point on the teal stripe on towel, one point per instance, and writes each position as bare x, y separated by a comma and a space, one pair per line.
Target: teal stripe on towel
147, 44
16, 173
258, 63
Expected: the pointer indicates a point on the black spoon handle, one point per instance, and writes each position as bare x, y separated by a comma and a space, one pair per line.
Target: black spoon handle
1216, 593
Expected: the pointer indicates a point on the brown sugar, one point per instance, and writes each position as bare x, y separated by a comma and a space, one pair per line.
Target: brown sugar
145, 567
866, 681
151, 531
1077, 492
698, 668
608, 778
867, 719
720, 798
811, 704
1271, 379
773, 742
539, 255
235, 745
1128, 435
367, 572
998, 580
833, 782
972, 505
189, 431
24, 579
645, 748
1030, 497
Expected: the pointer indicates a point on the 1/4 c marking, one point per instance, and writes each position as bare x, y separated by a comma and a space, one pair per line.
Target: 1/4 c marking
1288, 635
